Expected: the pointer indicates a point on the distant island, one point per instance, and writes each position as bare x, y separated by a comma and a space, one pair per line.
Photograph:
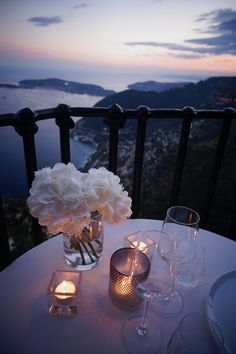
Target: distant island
62, 85
156, 86
91, 89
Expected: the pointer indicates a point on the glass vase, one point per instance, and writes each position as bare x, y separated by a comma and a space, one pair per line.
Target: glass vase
84, 251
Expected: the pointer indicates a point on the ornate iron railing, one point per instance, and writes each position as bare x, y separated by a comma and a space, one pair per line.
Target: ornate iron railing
115, 117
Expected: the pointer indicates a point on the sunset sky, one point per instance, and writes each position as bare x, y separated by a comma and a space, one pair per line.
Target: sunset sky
136, 35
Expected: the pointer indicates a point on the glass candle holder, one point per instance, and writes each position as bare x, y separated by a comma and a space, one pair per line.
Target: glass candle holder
123, 276
142, 242
63, 292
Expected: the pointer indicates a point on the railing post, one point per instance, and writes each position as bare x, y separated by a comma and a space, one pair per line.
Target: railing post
143, 113
26, 127
115, 120
5, 253
65, 123
188, 114
216, 166
232, 226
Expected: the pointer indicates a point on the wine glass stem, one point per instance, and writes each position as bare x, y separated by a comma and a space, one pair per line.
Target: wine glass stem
173, 275
142, 329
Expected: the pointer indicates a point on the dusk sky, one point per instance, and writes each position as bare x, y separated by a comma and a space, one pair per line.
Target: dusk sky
137, 35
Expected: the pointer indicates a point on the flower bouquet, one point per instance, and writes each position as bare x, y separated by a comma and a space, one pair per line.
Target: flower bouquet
68, 201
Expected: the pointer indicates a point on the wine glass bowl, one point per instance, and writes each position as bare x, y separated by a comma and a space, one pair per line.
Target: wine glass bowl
168, 302
182, 223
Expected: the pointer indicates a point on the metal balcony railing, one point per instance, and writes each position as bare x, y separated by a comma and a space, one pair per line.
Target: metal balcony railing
115, 117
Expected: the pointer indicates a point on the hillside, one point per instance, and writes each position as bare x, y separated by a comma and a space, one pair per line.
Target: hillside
212, 93
161, 144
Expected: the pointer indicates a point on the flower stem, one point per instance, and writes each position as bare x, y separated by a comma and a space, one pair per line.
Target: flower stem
85, 242
91, 247
98, 242
81, 253
86, 249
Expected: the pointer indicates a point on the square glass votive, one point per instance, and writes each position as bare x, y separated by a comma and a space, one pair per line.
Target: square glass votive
142, 242
63, 292
125, 274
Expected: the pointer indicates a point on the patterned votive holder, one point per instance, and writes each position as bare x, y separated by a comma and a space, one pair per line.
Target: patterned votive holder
142, 242
124, 275
63, 292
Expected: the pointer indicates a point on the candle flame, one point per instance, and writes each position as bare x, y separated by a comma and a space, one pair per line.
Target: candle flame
123, 287
65, 287
140, 245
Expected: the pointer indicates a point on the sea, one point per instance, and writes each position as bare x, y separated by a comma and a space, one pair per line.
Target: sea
12, 176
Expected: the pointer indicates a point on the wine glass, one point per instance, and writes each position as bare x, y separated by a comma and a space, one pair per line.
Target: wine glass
183, 224
168, 302
141, 334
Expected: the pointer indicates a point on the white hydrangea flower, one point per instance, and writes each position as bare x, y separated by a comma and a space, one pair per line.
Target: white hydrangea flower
113, 203
62, 198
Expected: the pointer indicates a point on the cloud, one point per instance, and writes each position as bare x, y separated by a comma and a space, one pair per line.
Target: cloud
171, 46
220, 15
45, 21
80, 6
187, 56
220, 25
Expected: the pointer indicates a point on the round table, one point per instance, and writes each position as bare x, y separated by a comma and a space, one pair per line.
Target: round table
26, 327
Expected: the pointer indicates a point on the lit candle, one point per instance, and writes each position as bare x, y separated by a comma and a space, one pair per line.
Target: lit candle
142, 246
128, 266
123, 287
66, 287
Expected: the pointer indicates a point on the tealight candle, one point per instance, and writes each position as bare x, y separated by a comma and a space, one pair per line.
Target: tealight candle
66, 286
142, 246
140, 241
63, 292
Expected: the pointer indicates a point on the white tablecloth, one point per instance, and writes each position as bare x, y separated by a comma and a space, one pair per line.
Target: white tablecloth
26, 327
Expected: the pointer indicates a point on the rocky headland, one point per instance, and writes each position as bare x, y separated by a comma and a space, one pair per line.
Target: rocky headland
62, 85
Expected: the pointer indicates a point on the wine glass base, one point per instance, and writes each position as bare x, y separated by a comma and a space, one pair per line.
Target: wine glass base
168, 307
138, 343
